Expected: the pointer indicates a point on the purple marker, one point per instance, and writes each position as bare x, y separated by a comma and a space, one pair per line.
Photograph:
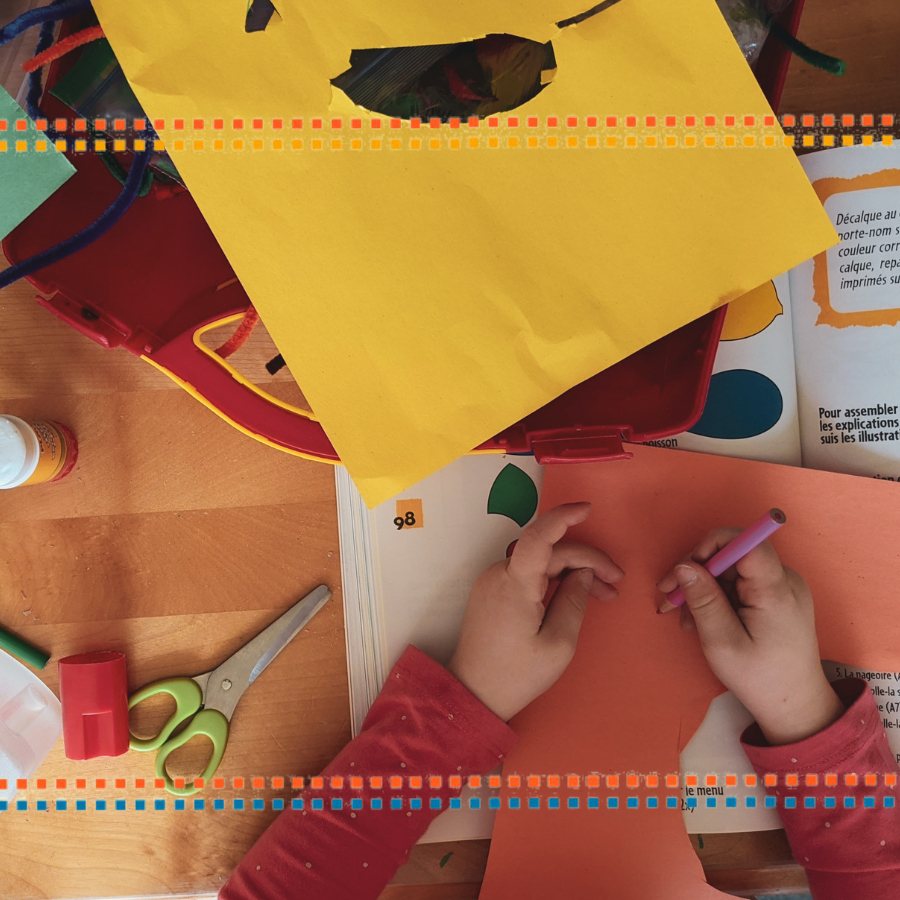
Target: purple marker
734, 551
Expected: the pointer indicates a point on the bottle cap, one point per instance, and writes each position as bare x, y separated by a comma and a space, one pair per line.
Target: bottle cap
93, 689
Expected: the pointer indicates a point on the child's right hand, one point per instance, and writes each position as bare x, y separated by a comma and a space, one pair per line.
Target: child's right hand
757, 632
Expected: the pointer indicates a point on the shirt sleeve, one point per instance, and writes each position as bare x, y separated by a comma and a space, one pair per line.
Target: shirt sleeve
844, 829
423, 725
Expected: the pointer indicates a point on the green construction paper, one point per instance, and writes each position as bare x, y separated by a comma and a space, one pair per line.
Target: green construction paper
27, 177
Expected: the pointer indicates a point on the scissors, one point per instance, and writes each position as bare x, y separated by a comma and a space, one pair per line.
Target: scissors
209, 700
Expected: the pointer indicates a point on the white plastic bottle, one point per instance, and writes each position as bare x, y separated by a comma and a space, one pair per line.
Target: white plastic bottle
34, 452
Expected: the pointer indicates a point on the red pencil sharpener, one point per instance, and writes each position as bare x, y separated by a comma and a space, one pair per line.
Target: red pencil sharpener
93, 690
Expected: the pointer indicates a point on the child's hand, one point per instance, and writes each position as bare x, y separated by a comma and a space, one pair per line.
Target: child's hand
757, 631
511, 649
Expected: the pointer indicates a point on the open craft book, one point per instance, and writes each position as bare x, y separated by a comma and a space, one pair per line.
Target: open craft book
808, 372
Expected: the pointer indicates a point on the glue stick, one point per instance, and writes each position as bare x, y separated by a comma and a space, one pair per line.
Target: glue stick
34, 452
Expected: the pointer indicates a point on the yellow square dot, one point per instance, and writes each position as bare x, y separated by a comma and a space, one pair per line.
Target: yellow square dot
336, 144
278, 144
867, 140
376, 144
3, 146
768, 140
198, 145
317, 144
571, 141
532, 142
179, 145
80, 146
119, 146
159, 146
434, 144
729, 140
750, 140
847, 140
512, 142
297, 144
218, 144
809, 140
690, 140
827, 140
612, 140
493, 143
257, 144
710, 140
671, 140
100, 146
473, 143
355, 144
454, 143
552, 141
60, 145
592, 141
415, 144
237, 144
788, 140
887, 140
650, 140
631, 141
40, 146
21, 146
395, 144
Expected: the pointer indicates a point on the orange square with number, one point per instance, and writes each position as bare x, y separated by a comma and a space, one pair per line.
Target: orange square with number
409, 515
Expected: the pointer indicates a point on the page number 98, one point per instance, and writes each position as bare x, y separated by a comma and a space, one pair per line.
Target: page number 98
408, 514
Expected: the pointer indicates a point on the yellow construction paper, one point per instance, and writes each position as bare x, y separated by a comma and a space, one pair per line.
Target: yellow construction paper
425, 299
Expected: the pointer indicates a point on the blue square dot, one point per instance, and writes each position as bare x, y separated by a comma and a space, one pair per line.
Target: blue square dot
494, 803
514, 803
573, 803
140, 805
809, 802
474, 803
120, 805
159, 804
632, 803
455, 803
889, 802
828, 802
62, 805
771, 802
219, 803
750, 802
336, 803
730, 802
376, 803
21, 804
317, 803
691, 802
849, 802
356, 803
179, 804
80, 805
415, 803
42, 805
593, 803
297, 803
3, 806
534, 802
396, 803
612, 802
652, 803
239, 803
790, 802
434, 803
553, 803
710, 802
100, 804
869, 802
199, 804
278, 803
671, 803
259, 803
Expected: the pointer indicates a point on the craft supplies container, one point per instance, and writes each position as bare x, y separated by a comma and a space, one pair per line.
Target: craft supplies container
34, 452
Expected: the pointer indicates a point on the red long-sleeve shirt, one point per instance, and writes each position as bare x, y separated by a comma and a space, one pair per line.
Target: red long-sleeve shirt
425, 721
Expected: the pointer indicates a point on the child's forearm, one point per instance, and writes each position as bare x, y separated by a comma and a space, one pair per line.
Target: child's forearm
423, 723
848, 851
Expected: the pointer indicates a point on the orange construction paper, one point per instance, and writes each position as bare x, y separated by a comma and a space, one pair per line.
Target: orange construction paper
639, 686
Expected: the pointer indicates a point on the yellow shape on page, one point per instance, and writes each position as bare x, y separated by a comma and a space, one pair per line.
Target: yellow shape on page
427, 301
752, 313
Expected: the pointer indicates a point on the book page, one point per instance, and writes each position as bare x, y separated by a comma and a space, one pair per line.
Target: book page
846, 307
751, 407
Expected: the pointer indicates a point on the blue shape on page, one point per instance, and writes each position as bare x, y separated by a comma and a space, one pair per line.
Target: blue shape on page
740, 404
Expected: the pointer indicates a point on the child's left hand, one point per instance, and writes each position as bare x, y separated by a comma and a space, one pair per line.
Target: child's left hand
511, 649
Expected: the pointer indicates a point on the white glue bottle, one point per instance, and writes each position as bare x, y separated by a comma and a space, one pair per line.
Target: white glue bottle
34, 452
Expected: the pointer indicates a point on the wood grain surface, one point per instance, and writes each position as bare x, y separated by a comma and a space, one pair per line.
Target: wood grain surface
176, 539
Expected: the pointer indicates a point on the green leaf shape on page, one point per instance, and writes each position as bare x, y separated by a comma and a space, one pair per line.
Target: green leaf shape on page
514, 495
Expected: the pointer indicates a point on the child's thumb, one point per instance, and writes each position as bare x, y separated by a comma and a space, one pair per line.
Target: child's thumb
565, 613
716, 620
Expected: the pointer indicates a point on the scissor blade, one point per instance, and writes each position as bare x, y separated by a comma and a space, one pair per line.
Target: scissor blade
228, 682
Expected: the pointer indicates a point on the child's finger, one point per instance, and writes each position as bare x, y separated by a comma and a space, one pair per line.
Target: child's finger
534, 549
763, 578
572, 555
686, 620
562, 621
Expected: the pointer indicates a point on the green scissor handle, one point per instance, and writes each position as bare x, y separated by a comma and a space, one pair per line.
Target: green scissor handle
208, 722
188, 700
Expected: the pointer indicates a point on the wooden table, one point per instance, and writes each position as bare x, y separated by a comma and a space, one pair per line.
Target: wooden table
177, 538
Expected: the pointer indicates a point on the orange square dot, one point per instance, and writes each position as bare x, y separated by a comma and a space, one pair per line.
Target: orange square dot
356, 123
159, 124
454, 782
750, 780
572, 121
81, 125
770, 780
100, 784
711, 780
868, 121
21, 125
809, 121
847, 121
512, 122
553, 781
850, 780
178, 124
140, 124
316, 783
534, 781
709, 121
828, 121
139, 783
179, 783
454, 122
376, 783
890, 780
277, 124
199, 124
218, 124
831, 780
473, 121
278, 783
296, 124
40, 124
258, 783
200, 783
80, 783
120, 783
435, 782
415, 122
237, 124
356, 783
119, 124
812, 780
632, 781
59, 124
791, 780
592, 781
60, 784
474, 781
592, 121
871, 780
729, 121
22, 784
630, 121
375, 123
218, 783
887, 120
159, 783
238, 784
552, 122
493, 122
41, 783
652, 781
514, 781
671, 781
2, 784
768, 121
337, 783
395, 124
415, 782
691, 781
396, 782
494, 781
690, 121
788, 121
337, 123
671, 121
572, 781
731, 781
532, 122
612, 781
650, 121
